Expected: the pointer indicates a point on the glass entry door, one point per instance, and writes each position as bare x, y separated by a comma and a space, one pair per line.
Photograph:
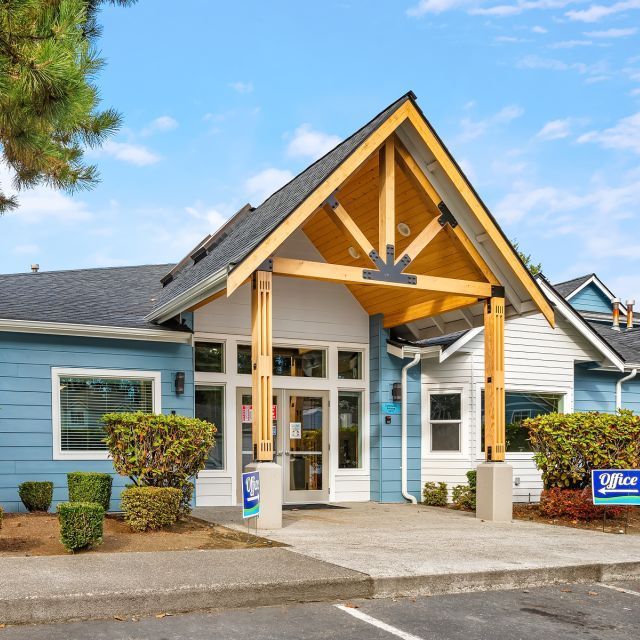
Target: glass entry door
305, 461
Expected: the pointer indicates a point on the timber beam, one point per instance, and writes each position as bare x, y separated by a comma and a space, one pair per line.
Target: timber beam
494, 394
355, 275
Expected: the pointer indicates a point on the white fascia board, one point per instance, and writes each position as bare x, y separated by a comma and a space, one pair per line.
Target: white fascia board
460, 342
94, 331
581, 327
409, 350
210, 285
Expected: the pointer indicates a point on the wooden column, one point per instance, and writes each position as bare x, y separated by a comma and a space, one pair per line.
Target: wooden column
262, 365
387, 197
494, 402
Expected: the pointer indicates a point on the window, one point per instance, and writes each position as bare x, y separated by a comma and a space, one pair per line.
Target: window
81, 397
445, 421
210, 407
350, 429
289, 361
210, 357
520, 405
350, 365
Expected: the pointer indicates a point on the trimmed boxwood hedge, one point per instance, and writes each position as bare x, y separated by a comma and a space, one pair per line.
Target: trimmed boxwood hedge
88, 486
81, 524
36, 496
150, 507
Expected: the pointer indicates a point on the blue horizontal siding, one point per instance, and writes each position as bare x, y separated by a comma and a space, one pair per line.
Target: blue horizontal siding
591, 299
596, 391
385, 440
26, 430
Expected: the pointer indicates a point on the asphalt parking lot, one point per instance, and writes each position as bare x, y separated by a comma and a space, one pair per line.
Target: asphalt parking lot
590, 611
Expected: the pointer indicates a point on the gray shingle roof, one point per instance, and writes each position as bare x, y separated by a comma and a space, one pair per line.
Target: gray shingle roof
568, 287
439, 341
253, 227
626, 341
115, 297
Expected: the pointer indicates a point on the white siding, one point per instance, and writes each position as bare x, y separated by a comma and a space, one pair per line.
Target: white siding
537, 358
302, 309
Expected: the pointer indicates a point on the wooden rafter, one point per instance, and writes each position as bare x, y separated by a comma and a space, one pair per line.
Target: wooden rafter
422, 240
355, 275
338, 214
387, 196
427, 309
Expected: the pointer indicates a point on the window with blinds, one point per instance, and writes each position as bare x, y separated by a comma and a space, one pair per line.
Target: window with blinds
84, 400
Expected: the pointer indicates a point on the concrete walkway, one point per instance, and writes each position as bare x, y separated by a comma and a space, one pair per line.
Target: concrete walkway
412, 548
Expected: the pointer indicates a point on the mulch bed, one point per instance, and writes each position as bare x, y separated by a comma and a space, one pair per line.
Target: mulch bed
531, 512
38, 534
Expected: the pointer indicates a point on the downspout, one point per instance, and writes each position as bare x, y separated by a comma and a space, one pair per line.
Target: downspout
405, 491
619, 384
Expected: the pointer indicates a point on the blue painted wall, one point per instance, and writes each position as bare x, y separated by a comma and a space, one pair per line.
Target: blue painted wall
385, 439
26, 432
596, 391
591, 299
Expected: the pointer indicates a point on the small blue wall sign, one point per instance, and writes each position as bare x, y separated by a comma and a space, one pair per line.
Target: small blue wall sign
251, 494
391, 408
616, 486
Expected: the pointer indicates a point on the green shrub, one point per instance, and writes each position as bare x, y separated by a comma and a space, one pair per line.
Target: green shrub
464, 495
85, 486
576, 504
568, 446
151, 507
80, 524
435, 495
158, 450
36, 496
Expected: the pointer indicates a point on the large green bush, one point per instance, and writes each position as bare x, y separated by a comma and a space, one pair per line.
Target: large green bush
435, 495
568, 446
86, 486
36, 496
159, 450
81, 524
150, 507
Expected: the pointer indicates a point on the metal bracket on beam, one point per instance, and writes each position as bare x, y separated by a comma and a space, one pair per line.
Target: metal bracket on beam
446, 216
497, 291
388, 271
267, 265
332, 201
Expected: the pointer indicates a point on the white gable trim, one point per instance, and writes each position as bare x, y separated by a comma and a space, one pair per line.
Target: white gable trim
460, 342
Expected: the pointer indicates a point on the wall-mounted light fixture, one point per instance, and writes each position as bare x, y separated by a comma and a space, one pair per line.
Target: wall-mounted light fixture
179, 383
396, 392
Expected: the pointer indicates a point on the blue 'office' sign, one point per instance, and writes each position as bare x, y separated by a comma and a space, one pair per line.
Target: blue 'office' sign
251, 494
616, 486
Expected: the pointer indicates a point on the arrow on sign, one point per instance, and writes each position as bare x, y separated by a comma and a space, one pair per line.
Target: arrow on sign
605, 491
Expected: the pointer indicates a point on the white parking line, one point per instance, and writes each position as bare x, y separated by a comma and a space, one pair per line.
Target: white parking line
356, 613
620, 589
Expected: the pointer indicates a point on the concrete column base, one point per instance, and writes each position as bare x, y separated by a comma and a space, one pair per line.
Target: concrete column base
270, 494
494, 492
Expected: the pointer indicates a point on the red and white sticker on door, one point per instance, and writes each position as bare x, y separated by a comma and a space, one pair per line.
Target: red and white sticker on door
246, 414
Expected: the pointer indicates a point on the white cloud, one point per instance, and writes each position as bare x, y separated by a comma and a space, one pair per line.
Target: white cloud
570, 44
539, 29
612, 33
510, 39
598, 11
624, 135
634, 92
555, 129
472, 129
128, 152
309, 143
263, 184
242, 87
212, 217
435, 6
505, 10
162, 123
26, 249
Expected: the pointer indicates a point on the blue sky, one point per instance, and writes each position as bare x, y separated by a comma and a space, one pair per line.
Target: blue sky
539, 100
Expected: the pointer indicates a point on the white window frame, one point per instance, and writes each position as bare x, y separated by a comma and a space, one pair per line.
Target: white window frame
220, 341
566, 407
279, 344
362, 365
363, 412
59, 372
463, 391
212, 473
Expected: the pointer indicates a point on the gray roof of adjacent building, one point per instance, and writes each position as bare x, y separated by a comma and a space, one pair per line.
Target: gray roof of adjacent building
569, 286
113, 296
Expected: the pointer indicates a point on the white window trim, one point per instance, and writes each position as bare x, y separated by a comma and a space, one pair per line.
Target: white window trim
363, 469
463, 390
221, 341
212, 473
567, 407
58, 372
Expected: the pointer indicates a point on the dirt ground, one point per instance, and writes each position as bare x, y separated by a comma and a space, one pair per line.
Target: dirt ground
38, 534
532, 512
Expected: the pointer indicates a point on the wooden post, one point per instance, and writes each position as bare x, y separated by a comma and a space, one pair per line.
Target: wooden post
494, 402
387, 197
262, 365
